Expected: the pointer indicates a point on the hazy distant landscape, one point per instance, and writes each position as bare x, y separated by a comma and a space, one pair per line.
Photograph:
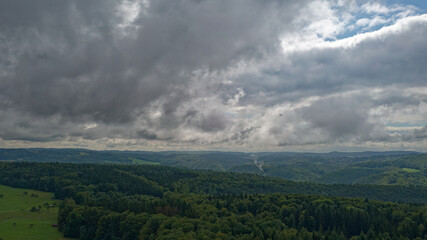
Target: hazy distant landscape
383, 168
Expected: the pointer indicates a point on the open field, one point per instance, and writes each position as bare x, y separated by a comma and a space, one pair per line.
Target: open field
139, 161
27, 214
410, 170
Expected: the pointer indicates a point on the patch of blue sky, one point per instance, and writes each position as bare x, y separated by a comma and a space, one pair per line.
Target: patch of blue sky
359, 29
420, 4
389, 19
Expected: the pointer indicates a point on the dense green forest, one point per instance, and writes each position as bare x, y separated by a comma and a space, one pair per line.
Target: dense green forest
158, 202
65, 179
384, 168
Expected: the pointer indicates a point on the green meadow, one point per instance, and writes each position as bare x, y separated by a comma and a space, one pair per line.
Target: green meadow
140, 161
410, 170
27, 214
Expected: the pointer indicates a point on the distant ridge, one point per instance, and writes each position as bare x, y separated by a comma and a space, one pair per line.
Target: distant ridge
368, 167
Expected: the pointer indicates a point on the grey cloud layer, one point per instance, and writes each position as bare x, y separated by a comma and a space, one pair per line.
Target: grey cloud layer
199, 73
72, 58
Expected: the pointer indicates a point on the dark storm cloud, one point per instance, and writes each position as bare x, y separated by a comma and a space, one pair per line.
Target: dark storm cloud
147, 135
63, 60
392, 59
338, 117
422, 133
72, 59
359, 89
123, 73
210, 122
347, 118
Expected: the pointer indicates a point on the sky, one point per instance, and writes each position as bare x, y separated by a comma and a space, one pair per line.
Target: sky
228, 75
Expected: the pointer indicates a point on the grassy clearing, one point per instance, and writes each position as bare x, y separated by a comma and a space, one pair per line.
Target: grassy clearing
18, 198
18, 221
410, 170
139, 161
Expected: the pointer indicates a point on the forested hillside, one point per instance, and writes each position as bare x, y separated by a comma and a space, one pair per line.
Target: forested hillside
71, 155
66, 179
384, 168
405, 170
151, 202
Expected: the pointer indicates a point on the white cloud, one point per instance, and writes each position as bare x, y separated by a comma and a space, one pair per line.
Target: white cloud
212, 75
375, 7
350, 42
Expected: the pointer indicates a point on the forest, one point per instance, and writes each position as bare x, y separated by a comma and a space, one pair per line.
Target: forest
157, 202
403, 168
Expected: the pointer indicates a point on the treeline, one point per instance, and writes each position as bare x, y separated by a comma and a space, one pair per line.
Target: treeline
70, 156
65, 179
148, 202
381, 168
271, 216
404, 171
